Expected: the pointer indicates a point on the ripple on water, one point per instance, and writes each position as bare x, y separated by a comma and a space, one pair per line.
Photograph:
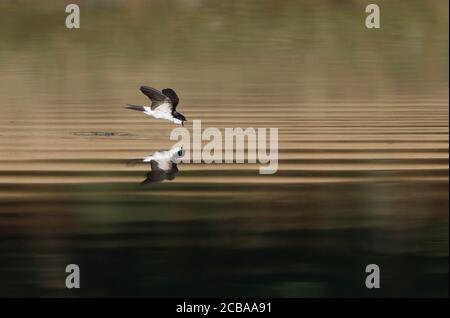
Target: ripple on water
102, 134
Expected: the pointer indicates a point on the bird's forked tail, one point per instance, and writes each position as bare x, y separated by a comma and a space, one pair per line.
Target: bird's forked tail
136, 107
133, 162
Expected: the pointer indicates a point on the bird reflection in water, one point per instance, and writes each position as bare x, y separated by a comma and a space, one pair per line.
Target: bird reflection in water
163, 165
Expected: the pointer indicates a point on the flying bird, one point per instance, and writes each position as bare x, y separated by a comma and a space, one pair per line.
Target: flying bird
163, 165
163, 105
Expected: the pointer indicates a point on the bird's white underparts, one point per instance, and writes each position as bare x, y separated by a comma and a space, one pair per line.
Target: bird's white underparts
230, 146
165, 157
161, 113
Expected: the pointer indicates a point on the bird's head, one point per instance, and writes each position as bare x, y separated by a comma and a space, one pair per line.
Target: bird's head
180, 153
177, 154
180, 117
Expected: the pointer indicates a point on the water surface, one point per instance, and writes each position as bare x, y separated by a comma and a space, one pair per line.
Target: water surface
363, 149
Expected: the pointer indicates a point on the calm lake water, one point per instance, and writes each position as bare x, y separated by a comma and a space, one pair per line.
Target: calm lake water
363, 149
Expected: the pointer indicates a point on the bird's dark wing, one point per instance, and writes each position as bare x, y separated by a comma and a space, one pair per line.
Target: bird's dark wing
172, 173
155, 175
155, 96
155, 166
153, 93
170, 93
